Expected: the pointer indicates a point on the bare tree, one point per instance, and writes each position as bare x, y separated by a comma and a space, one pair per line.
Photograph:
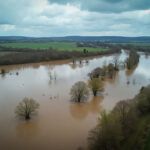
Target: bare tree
111, 70
79, 91
73, 60
96, 85
26, 108
116, 62
80, 61
133, 59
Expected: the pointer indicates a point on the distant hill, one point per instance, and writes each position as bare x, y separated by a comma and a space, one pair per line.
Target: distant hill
74, 38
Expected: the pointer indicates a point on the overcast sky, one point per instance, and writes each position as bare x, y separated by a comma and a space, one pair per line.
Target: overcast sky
74, 17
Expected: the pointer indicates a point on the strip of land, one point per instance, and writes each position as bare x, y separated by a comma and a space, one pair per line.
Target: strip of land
31, 52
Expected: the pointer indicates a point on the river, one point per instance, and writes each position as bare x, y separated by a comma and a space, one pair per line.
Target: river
61, 124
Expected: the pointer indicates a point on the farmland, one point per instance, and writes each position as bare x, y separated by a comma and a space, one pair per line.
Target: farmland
61, 46
29, 52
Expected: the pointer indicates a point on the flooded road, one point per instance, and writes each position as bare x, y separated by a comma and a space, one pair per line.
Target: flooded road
60, 124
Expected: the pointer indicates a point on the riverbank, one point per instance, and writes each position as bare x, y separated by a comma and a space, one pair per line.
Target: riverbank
21, 56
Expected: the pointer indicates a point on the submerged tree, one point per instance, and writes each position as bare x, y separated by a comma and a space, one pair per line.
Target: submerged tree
116, 63
80, 61
111, 70
132, 60
95, 73
73, 60
79, 91
26, 108
96, 85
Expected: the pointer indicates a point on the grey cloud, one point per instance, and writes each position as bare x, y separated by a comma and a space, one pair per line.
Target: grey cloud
91, 17
108, 6
12, 11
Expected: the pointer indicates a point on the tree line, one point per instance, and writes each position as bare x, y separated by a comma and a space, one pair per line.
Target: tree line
26, 55
125, 127
125, 46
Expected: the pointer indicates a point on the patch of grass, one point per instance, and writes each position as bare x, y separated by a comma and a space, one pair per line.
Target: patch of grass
68, 46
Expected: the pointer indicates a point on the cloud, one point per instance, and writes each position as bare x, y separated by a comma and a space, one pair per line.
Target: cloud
84, 17
7, 27
108, 6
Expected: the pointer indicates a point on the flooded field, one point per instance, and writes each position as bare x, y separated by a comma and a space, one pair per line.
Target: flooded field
60, 124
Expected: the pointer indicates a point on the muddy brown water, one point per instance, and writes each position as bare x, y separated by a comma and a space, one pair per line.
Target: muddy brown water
60, 124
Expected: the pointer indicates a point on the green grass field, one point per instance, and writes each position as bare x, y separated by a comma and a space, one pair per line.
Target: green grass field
69, 46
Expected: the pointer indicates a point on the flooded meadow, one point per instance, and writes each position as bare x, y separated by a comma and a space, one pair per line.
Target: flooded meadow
60, 123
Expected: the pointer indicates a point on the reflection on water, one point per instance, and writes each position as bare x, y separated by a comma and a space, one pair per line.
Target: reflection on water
61, 125
113, 80
131, 71
27, 130
80, 111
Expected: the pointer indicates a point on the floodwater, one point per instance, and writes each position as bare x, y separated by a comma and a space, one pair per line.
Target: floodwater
60, 124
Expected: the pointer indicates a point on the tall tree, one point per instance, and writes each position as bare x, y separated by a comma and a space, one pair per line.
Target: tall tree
79, 91
26, 108
96, 85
